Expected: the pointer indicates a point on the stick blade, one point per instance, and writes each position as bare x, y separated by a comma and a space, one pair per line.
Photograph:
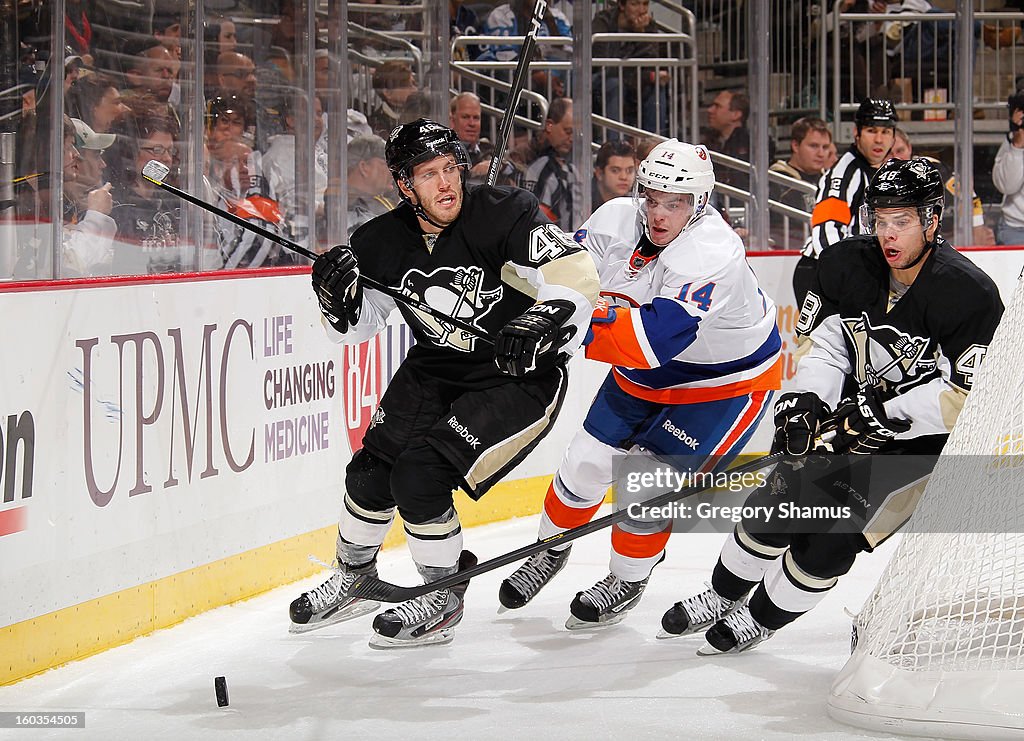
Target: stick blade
371, 588
155, 171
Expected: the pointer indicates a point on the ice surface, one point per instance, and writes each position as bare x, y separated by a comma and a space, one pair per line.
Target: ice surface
517, 675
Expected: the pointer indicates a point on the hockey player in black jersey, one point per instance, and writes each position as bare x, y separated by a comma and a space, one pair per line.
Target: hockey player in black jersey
898, 323
836, 214
459, 413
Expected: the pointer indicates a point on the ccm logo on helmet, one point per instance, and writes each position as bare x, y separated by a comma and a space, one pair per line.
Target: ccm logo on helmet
701, 152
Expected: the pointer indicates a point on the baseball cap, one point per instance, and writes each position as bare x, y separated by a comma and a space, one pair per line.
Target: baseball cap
86, 138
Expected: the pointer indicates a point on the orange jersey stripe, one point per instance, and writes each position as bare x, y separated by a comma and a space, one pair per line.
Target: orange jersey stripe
616, 343
562, 515
770, 380
639, 546
756, 404
831, 209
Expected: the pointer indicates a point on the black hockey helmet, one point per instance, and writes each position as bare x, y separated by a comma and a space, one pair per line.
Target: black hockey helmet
412, 143
914, 183
876, 112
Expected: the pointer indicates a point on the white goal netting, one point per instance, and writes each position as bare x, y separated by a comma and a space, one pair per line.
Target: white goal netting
940, 648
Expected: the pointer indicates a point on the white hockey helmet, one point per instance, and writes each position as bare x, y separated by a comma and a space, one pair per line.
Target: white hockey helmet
676, 167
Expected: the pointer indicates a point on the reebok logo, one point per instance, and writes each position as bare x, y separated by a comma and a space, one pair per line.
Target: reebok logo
472, 440
681, 435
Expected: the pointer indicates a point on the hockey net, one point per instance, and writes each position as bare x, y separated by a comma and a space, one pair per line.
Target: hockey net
940, 643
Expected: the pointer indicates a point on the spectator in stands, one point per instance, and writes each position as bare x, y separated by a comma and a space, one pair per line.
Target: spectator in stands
321, 69
1008, 176
981, 235
728, 134
236, 75
145, 214
836, 213
464, 22
220, 38
149, 70
88, 229
832, 157
237, 177
464, 118
279, 166
622, 99
167, 30
91, 168
552, 176
370, 184
512, 19
357, 125
644, 145
96, 100
809, 141
393, 82
614, 172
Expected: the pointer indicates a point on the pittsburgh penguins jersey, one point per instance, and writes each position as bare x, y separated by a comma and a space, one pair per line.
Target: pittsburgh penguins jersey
920, 345
691, 325
836, 215
499, 257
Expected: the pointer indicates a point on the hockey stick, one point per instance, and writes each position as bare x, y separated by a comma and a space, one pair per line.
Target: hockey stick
372, 588
516, 91
155, 172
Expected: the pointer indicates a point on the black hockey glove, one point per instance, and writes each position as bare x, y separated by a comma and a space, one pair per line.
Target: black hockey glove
861, 425
797, 419
337, 286
533, 339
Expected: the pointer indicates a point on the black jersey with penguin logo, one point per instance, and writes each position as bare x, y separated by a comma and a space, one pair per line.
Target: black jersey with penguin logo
939, 327
478, 269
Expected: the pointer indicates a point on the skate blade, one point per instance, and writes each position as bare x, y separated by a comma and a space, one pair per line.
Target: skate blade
356, 609
437, 638
708, 650
574, 623
664, 635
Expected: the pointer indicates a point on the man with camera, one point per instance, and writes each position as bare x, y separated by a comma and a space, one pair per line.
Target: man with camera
1008, 175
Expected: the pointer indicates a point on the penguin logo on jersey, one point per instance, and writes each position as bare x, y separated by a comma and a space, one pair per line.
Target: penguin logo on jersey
885, 356
458, 293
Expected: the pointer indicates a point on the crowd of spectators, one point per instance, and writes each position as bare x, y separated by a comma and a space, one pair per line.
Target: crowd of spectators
128, 99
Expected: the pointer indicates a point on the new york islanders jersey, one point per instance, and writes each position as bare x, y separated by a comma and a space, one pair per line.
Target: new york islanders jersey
499, 257
689, 326
920, 346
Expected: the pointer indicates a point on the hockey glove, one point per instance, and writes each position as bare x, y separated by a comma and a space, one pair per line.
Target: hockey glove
861, 426
797, 419
533, 339
337, 286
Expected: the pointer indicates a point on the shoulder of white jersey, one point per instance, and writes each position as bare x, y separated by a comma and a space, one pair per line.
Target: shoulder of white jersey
706, 249
616, 219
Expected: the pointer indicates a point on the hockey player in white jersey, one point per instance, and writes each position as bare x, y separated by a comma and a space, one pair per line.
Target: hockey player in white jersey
695, 350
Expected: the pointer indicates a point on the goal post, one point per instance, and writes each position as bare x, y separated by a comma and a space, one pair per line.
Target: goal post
939, 645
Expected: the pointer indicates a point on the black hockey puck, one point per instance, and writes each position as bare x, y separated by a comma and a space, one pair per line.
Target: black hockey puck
220, 686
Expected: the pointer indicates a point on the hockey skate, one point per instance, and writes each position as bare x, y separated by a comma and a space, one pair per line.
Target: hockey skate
526, 581
328, 603
736, 632
605, 603
429, 619
695, 614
